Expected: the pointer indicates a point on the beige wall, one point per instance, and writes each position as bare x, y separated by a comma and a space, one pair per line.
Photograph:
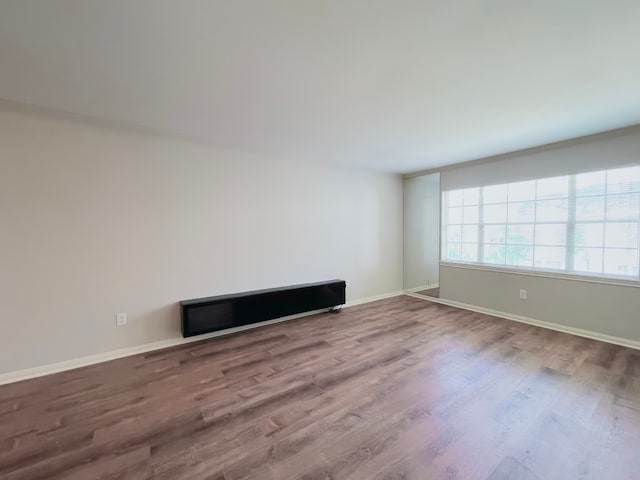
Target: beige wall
598, 152
601, 308
421, 236
97, 221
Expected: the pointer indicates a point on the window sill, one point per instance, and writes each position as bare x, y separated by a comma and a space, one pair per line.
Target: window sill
545, 274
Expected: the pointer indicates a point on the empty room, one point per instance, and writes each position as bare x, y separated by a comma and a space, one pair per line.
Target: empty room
320, 240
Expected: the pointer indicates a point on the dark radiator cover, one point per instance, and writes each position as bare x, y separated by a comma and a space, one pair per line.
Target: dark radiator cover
209, 314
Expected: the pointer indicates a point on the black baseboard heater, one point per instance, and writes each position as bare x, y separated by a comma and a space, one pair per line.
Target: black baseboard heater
203, 315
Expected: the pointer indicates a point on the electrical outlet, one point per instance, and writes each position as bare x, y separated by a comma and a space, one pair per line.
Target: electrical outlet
523, 294
121, 319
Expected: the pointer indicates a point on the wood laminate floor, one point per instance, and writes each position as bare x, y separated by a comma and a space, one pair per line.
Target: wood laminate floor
397, 389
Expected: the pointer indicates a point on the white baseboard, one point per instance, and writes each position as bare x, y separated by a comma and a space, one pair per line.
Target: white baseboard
624, 342
375, 298
25, 374
423, 287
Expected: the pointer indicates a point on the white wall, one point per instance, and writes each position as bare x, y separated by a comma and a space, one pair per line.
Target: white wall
97, 221
597, 307
421, 230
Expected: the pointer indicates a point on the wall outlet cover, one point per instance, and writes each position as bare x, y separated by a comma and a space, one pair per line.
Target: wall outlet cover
121, 319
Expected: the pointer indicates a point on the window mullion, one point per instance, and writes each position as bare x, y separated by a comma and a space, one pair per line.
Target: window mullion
535, 222
444, 227
637, 250
481, 225
571, 225
604, 222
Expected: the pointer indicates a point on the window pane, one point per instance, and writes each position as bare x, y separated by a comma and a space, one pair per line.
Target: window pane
552, 211
470, 233
494, 254
494, 233
621, 262
589, 235
495, 213
590, 208
522, 191
455, 198
550, 257
623, 207
522, 212
495, 194
587, 260
470, 252
471, 196
526, 224
454, 215
550, 234
520, 234
557, 187
592, 183
623, 180
519, 256
454, 251
622, 235
471, 214
454, 233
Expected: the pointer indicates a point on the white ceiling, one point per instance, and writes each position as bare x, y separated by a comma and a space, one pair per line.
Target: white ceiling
395, 85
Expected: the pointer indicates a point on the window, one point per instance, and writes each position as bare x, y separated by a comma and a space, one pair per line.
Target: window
585, 224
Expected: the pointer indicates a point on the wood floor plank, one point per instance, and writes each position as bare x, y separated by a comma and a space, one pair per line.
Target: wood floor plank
397, 389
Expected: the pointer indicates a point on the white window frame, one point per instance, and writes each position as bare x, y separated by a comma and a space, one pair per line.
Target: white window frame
569, 244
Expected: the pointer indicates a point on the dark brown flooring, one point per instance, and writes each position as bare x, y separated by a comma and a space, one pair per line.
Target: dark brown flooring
430, 292
397, 389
